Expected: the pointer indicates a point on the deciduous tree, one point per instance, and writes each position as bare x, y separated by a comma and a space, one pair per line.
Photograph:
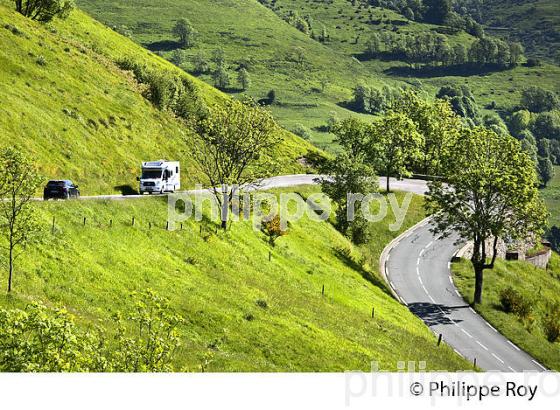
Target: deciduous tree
19, 181
490, 193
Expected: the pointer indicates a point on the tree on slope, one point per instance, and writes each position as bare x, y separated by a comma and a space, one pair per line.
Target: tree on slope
399, 145
233, 147
19, 181
45, 10
490, 193
185, 31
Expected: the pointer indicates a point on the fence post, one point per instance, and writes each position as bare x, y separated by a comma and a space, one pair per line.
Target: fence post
373, 312
439, 339
85, 221
133, 220
110, 223
323, 291
53, 220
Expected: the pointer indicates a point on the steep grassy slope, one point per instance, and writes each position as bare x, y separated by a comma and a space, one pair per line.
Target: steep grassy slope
534, 22
537, 286
215, 280
65, 102
258, 37
551, 196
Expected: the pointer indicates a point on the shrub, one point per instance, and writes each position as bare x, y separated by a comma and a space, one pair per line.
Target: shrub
40, 339
513, 302
551, 323
272, 228
41, 61
302, 131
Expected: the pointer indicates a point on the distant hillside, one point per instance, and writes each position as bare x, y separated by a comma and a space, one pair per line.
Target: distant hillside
313, 77
536, 23
65, 101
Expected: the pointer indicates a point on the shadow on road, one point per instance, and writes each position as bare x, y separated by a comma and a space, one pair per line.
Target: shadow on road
435, 314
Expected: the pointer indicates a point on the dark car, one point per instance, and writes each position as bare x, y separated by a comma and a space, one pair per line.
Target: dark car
60, 190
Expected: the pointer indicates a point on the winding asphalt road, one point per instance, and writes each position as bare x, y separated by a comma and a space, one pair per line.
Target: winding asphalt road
417, 266
418, 270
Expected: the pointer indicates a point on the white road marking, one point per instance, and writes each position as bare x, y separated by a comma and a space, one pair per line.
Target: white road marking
481, 345
417, 262
392, 284
491, 327
498, 358
511, 368
420, 279
428, 245
457, 292
421, 252
448, 265
465, 332
538, 364
450, 280
388, 256
418, 271
425, 290
514, 346
431, 298
472, 310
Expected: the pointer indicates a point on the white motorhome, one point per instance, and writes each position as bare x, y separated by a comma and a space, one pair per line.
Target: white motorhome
160, 176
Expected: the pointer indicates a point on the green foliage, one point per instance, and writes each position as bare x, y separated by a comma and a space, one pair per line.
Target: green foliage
373, 100
221, 77
398, 145
546, 170
19, 181
302, 131
45, 10
438, 126
551, 322
547, 125
186, 33
537, 99
513, 302
461, 99
243, 79
39, 339
234, 146
494, 169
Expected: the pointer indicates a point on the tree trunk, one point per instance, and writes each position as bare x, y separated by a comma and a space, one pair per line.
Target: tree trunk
478, 279
388, 183
11, 269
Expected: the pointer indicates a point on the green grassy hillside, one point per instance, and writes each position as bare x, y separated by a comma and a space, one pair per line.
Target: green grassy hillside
65, 102
308, 91
536, 23
537, 286
215, 280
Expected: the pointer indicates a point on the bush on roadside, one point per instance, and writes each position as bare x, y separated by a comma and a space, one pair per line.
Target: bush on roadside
513, 302
551, 323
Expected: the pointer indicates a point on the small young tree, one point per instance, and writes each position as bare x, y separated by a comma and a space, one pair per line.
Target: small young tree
201, 65
221, 78
45, 10
19, 181
218, 57
233, 147
185, 31
399, 144
490, 193
272, 228
243, 79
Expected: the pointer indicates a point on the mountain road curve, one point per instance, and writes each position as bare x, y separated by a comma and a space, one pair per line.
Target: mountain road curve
417, 268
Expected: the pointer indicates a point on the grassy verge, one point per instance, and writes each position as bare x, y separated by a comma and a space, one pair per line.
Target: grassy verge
537, 286
218, 281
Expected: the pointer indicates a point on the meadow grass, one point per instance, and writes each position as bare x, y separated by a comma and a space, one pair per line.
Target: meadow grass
65, 103
256, 36
245, 312
538, 286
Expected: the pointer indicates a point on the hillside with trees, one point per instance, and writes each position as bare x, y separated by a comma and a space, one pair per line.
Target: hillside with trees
90, 105
313, 54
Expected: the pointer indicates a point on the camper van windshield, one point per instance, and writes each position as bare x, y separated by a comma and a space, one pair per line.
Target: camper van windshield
151, 173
